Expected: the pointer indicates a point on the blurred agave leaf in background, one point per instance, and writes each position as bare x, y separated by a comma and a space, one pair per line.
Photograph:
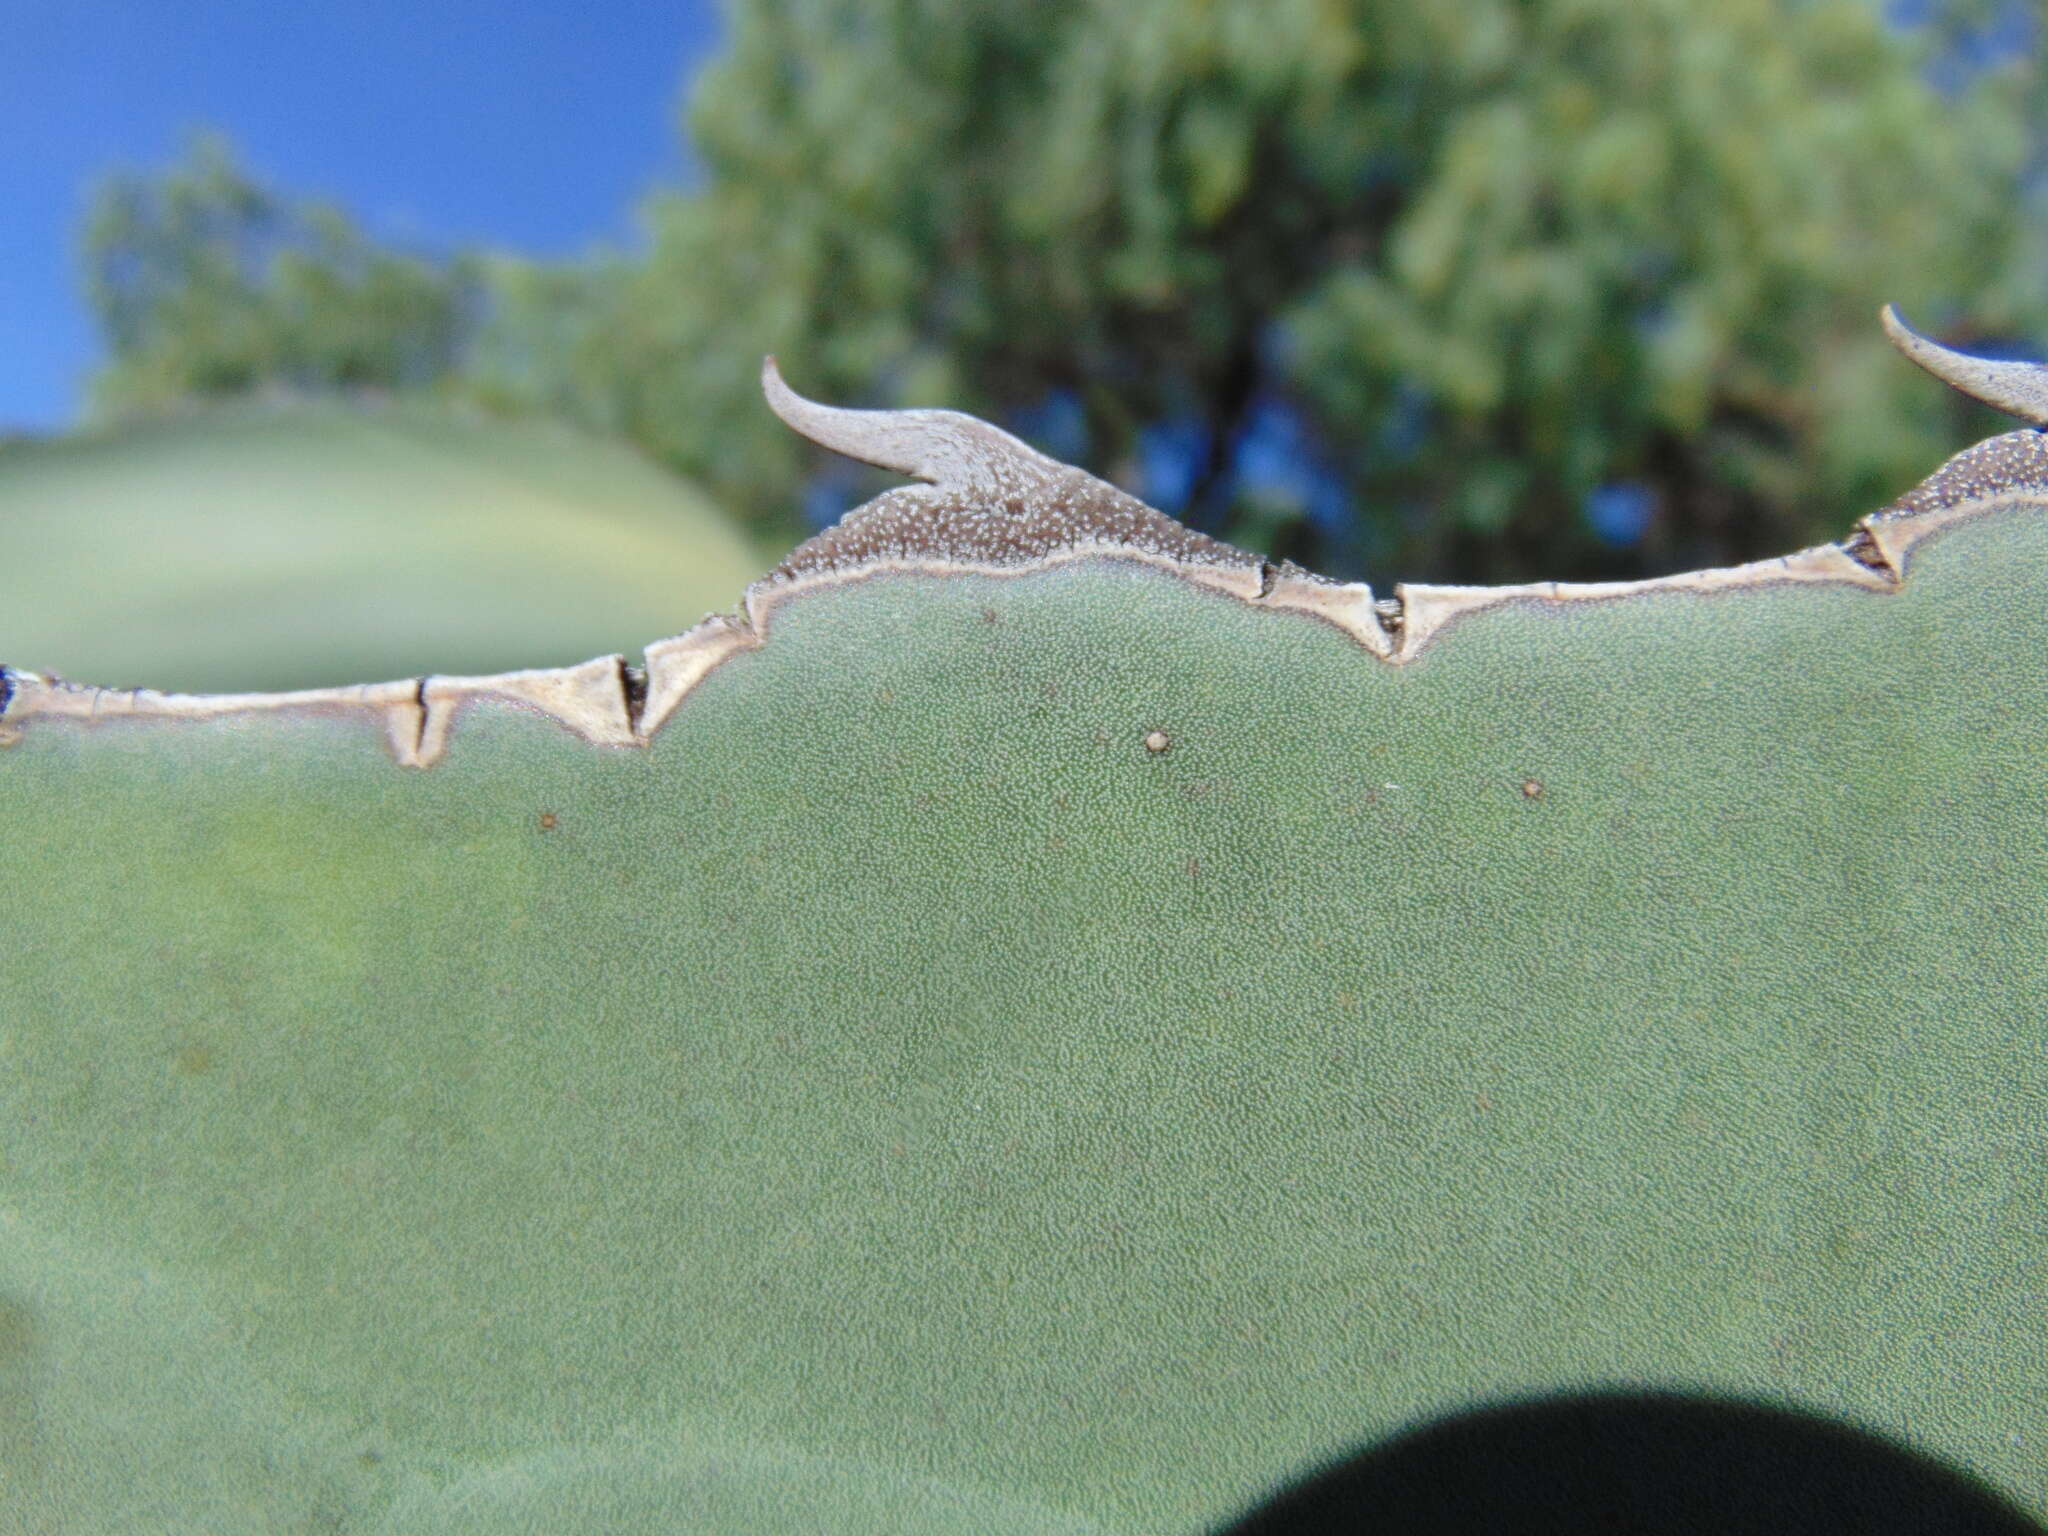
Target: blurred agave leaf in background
288, 546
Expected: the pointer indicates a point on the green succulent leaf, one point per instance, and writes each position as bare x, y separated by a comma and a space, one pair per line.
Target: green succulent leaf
1044, 1023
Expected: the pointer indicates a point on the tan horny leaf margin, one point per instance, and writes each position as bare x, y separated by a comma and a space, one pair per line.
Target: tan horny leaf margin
991, 505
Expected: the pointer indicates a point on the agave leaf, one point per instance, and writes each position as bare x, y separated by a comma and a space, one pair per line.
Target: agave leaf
1043, 1022
306, 545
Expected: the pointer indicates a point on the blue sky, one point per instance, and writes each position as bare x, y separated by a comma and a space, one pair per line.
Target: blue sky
526, 124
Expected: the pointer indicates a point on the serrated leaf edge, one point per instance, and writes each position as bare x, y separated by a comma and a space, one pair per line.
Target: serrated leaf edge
978, 475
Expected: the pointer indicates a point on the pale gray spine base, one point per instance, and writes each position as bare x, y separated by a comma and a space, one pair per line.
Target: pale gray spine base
1074, 517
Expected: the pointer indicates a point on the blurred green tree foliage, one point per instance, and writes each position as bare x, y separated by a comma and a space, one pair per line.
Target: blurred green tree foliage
1504, 289
206, 283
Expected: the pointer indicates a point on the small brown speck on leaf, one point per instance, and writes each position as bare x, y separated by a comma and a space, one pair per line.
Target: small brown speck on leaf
1157, 741
549, 821
1532, 789
988, 616
193, 1060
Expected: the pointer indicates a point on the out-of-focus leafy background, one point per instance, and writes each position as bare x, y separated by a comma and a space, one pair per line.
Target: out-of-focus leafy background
1484, 291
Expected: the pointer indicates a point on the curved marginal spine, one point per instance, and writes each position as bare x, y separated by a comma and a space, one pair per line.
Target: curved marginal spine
2017, 388
950, 449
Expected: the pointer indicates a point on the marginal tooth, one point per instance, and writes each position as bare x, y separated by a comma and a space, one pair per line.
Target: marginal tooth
948, 448
2017, 388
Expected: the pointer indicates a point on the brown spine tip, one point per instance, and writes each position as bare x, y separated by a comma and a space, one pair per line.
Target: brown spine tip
2017, 388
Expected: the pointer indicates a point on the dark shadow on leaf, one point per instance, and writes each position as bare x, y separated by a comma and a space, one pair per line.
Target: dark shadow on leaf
1643, 1464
